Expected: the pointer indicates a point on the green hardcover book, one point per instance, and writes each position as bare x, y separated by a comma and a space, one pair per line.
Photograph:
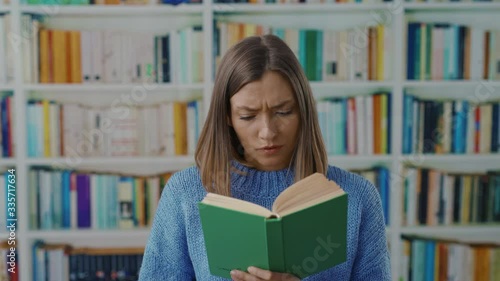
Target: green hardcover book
428, 51
302, 49
418, 52
305, 232
311, 57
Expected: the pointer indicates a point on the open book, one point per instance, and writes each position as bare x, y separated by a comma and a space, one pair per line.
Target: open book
304, 233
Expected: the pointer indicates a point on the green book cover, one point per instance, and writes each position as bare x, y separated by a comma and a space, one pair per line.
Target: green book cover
428, 51
302, 49
304, 234
417, 57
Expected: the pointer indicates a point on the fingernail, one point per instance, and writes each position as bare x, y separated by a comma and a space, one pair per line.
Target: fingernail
233, 273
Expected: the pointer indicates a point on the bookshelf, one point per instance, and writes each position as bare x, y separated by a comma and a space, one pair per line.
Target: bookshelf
162, 18
294, 8
110, 10
140, 236
481, 234
109, 87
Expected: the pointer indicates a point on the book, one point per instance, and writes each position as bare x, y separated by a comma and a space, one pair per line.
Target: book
304, 232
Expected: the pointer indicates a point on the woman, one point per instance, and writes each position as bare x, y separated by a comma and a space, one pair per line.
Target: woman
260, 136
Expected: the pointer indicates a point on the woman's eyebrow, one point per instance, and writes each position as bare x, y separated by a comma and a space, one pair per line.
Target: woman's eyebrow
281, 104
244, 107
247, 108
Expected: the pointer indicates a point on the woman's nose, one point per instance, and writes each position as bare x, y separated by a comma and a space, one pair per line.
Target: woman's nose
267, 130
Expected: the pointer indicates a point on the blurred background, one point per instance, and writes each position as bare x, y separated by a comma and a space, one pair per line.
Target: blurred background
102, 100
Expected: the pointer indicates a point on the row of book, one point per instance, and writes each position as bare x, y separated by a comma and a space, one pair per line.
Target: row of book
87, 2
301, 1
356, 125
62, 262
433, 197
456, 126
110, 56
6, 50
380, 178
63, 199
7, 139
107, 2
325, 55
427, 258
71, 129
435, 52
9, 269
442, 51
451, 1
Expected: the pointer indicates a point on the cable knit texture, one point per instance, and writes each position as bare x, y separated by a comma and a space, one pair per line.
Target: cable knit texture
176, 248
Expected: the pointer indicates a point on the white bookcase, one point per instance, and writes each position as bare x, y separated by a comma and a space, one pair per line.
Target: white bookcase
165, 17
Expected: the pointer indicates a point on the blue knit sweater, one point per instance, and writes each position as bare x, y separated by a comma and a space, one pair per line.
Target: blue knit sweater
176, 249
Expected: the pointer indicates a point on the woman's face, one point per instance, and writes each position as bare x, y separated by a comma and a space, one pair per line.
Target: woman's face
266, 118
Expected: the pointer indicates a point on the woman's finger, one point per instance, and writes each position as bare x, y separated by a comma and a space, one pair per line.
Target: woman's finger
269, 275
238, 275
261, 273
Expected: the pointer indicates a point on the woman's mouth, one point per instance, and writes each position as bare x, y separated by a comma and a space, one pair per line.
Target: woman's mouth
269, 150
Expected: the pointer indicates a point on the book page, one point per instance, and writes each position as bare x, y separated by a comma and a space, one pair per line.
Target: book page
235, 204
313, 201
309, 191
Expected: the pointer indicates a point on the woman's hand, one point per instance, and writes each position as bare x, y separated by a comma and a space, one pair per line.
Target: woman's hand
257, 274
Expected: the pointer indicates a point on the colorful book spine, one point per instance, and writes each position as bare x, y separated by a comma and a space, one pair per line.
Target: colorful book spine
435, 197
449, 126
447, 51
108, 56
62, 199
324, 55
427, 258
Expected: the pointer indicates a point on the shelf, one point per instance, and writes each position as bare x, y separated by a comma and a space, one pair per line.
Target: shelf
110, 94
294, 8
114, 10
93, 237
472, 233
479, 15
6, 87
475, 91
4, 9
349, 88
354, 162
155, 165
111, 87
7, 162
451, 6
124, 165
455, 163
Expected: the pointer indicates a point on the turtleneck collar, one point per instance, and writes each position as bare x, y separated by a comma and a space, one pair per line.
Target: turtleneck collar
252, 184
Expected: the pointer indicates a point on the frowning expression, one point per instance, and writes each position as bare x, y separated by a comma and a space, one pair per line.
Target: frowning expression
266, 119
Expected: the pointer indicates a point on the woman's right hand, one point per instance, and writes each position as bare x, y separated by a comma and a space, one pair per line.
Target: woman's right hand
257, 274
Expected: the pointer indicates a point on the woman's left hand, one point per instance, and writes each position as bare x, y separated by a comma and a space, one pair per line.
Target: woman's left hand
257, 274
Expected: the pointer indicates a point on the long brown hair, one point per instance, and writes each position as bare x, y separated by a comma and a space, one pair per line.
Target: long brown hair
218, 144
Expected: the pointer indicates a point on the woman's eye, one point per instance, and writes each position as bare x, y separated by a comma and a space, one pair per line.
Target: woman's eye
284, 112
246, 118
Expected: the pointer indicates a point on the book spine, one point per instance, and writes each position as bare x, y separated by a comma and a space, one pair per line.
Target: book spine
276, 255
